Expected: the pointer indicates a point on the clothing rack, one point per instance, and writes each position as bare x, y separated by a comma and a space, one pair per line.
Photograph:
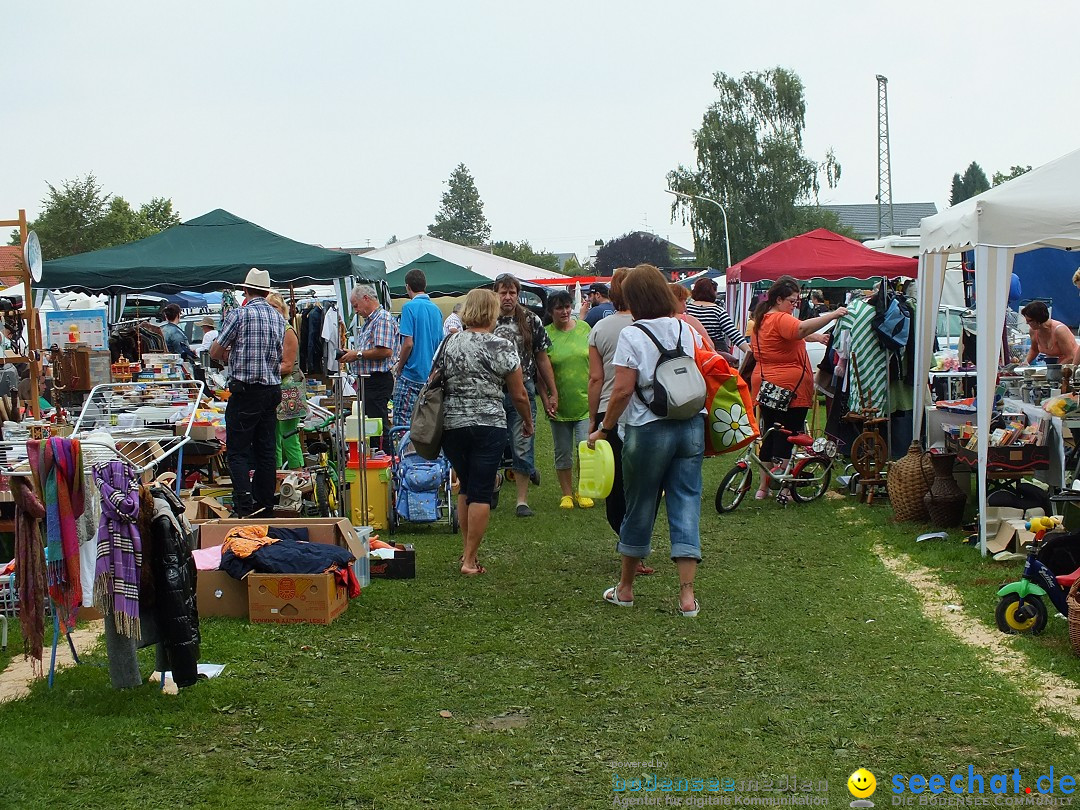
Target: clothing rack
123, 422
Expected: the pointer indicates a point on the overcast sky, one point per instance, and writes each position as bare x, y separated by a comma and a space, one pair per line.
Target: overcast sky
339, 123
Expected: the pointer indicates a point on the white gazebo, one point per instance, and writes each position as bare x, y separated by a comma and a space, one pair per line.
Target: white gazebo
1036, 210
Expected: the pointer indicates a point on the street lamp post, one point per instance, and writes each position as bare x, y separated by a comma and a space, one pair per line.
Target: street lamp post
727, 239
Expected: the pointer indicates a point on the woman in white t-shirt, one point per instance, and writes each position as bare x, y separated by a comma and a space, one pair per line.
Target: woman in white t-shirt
658, 454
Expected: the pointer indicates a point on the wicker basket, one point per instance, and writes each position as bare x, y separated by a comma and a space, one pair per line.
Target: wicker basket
1073, 601
908, 482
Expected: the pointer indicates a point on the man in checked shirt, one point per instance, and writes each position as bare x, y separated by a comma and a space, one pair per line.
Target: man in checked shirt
374, 355
250, 342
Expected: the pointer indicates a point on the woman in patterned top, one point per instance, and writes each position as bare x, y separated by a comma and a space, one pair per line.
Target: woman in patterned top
569, 355
476, 364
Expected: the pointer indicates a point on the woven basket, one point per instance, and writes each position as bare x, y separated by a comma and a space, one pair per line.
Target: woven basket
907, 484
1073, 601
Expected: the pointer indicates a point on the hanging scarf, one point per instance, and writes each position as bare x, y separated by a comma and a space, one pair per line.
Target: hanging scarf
119, 547
29, 569
57, 468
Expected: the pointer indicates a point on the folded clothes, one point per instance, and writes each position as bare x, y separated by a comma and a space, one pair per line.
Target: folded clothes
287, 557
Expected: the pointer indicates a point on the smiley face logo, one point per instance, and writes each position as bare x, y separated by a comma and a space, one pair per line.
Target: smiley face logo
862, 784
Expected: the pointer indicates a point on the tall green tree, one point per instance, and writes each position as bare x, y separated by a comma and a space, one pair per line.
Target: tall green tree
750, 159
629, 250
461, 218
79, 217
523, 252
1014, 171
972, 182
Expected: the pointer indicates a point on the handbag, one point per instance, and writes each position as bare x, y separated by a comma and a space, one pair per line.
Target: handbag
771, 395
429, 412
293, 403
730, 423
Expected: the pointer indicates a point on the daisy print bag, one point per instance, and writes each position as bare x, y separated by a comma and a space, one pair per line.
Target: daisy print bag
730, 423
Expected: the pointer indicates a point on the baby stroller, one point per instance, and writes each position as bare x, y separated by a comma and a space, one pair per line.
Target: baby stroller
421, 488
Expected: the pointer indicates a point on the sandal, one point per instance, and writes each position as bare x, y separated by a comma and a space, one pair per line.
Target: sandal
612, 595
475, 572
644, 570
690, 613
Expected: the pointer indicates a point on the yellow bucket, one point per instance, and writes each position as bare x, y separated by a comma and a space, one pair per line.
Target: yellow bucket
596, 470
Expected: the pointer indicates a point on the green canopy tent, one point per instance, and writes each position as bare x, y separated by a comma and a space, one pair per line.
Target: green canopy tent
207, 253
443, 277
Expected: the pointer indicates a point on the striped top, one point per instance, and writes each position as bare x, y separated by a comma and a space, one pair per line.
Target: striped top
722, 330
868, 370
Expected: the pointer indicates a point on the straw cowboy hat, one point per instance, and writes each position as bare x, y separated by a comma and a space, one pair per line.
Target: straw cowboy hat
257, 280
208, 322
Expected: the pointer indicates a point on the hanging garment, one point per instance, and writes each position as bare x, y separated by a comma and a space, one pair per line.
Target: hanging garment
87, 529
315, 341
30, 579
119, 547
57, 470
175, 609
868, 375
331, 338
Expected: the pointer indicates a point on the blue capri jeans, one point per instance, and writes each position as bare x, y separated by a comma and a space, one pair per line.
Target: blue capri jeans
664, 455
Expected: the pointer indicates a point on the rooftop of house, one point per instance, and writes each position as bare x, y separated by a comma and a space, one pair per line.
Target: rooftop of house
863, 218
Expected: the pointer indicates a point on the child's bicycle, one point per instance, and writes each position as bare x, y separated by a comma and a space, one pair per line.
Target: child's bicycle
805, 475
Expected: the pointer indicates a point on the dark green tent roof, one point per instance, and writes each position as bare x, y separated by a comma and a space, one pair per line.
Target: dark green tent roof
443, 277
206, 253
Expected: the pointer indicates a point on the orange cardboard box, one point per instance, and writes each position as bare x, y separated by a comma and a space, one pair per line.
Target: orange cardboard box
218, 594
295, 598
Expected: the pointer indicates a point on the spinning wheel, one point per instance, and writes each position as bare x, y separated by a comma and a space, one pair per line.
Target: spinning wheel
869, 453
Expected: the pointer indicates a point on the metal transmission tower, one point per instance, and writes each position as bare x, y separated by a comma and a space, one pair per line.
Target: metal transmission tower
884, 174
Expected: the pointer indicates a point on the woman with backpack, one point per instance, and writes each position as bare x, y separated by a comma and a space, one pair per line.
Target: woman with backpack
658, 454
782, 365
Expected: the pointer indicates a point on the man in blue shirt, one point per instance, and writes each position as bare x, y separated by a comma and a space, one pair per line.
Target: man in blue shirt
600, 305
421, 332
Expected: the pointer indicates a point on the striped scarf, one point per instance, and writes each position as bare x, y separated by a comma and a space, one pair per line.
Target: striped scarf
29, 569
58, 475
119, 548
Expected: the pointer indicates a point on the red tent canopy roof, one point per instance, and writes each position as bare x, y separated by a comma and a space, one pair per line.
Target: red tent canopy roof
820, 254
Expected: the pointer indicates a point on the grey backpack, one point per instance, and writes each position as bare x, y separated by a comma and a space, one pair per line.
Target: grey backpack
678, 385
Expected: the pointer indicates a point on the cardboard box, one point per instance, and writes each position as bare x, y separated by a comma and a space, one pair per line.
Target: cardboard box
402, 566
200, 431
218, 594
205, 508
295, 598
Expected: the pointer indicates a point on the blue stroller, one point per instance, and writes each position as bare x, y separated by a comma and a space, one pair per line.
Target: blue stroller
421, 488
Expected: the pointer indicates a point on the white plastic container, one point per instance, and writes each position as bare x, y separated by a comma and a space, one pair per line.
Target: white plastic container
362, 567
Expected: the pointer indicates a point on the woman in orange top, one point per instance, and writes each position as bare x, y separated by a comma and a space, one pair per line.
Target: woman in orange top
779, 348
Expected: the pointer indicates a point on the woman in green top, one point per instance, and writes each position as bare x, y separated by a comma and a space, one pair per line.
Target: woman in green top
569, 355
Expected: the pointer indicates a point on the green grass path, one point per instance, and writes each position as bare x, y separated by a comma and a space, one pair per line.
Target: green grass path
809, 659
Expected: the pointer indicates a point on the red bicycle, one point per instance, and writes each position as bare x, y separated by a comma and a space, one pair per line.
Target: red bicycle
805, 475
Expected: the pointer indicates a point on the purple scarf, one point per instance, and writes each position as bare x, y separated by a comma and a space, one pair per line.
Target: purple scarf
119, 547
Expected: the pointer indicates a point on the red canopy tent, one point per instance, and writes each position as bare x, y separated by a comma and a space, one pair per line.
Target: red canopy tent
820, 254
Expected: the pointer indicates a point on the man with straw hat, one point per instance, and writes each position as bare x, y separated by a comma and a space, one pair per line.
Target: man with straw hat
250, 343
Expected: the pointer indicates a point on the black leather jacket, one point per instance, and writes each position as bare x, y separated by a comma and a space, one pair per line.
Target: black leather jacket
174, 576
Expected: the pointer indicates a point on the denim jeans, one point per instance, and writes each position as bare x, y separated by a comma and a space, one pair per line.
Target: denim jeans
251, 444
663, 455
522, 450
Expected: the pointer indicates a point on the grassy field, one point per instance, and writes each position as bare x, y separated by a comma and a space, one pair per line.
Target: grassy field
523, 689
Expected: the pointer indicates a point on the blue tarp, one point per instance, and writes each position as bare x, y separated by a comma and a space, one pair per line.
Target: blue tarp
1047, 273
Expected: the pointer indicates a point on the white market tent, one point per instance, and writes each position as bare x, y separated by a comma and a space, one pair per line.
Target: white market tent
398, 254
1036, 210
